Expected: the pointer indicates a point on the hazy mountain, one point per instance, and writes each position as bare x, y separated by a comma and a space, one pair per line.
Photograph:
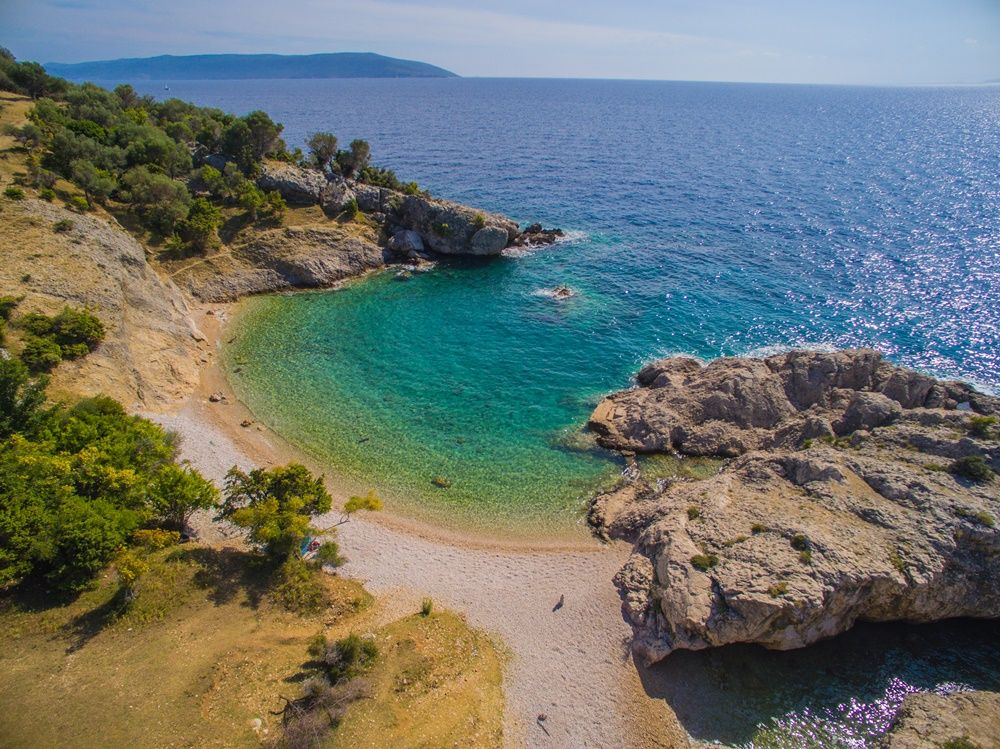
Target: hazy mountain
195, 67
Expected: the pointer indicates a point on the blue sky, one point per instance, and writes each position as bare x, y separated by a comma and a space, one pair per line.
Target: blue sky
842, 41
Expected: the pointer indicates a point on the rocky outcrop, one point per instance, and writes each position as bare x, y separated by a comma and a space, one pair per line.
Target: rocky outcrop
151, 349
962, 719
297, 185
836, 504
280, 259
453, 229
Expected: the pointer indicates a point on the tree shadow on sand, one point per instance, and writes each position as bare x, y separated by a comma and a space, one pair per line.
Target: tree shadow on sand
723, 694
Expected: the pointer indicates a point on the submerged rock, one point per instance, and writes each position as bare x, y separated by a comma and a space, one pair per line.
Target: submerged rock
836, 505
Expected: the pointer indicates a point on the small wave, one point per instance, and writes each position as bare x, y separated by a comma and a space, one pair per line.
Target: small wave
774, 349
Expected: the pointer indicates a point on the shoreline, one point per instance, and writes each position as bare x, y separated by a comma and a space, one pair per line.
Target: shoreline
571, 663
266, 447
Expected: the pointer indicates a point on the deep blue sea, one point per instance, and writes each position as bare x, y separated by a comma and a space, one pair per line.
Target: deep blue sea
708, 218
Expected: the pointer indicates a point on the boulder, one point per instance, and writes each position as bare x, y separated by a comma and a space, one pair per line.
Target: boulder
297, 185
797, 538
335, 196
961, 719
406, 242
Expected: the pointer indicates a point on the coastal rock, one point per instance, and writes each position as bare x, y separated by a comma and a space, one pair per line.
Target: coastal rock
279, 259
297, 185
406, 242
534, 236
835, 506
335, 196
453, 229
934, 720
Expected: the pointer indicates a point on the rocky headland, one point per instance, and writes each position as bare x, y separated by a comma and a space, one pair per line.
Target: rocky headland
852, 490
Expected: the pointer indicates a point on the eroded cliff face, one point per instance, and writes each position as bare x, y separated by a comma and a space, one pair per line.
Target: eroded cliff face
837, 504
150, 354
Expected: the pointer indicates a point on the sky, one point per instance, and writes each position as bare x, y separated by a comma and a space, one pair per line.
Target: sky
794, 41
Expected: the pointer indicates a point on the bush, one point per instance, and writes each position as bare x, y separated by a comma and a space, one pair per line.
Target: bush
972, 467
155, 539
982, 517
348, 657
800, 542
704, 562
7, 305
778, 589
329, 554
40, 354
758, 528
62, 225
693, 513
47, 193
298, 587
14, 193
426, 606
79, 203
982, 426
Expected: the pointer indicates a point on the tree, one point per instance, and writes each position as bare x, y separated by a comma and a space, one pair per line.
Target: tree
251, 198
177, 491
275, 506
202, 223
354, 161
264, 134
323, 149
20, 399
161, 201
96, 183
40, 354
370, 501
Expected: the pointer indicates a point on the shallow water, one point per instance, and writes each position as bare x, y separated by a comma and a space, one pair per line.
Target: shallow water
709, 219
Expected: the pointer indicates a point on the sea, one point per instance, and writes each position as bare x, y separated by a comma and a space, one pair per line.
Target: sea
707, 219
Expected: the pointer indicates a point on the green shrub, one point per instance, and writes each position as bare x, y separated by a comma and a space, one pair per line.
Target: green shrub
807, 443
79, 203
353, 210
298, 587
479, 221
62, 226
972, 467
758, 528
47, 194
960, 743
982, 426
806, 556
329, 554
704, 562
442, 229
981, 516
14, 193
349, 657
778, 589
7, 305
40, 354
426, 606
800, 542
154, 539
693, 513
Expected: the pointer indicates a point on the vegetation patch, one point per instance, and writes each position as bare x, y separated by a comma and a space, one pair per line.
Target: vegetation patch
981, 517
778, 589
972, 467
982, 426
704, 562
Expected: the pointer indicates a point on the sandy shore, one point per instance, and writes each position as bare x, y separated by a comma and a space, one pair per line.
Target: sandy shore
572, 663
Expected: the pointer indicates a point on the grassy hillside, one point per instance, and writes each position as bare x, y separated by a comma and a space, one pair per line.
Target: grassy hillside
203, 659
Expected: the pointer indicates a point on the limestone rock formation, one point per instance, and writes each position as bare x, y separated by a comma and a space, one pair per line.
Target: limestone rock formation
934, 720
837, 504
150, 352
454, 229
297, 185
283, 258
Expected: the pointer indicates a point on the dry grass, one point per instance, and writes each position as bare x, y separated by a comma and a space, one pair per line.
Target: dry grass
202, 654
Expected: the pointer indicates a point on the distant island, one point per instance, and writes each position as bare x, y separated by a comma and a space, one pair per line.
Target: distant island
229, 67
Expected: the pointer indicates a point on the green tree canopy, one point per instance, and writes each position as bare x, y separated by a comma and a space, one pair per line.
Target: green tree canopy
275, 506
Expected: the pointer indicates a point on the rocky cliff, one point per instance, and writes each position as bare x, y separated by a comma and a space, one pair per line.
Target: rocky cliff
151, 351
854, 490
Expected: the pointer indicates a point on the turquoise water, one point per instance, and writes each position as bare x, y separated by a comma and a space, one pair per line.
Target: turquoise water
708, 219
